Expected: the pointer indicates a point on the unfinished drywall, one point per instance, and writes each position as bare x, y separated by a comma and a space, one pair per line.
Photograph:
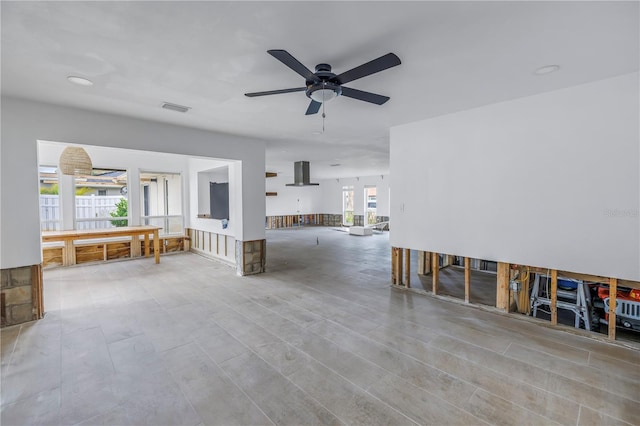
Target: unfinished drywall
25, 122
550, 180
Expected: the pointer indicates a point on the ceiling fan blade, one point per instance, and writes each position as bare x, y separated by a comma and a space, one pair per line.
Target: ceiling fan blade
275, 92
286, 58
364, 96
382, 63
314, 107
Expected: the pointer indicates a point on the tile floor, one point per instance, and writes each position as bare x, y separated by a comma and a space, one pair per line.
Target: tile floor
321, 338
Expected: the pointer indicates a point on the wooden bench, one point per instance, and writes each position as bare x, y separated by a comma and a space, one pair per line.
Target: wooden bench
132, 232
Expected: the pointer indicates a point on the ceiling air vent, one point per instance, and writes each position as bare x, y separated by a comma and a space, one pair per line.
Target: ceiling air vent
175, 107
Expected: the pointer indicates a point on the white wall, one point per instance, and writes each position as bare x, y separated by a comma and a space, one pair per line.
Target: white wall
24, 122
550, 180
332, 194
200, 172
325, 198
204, 174
292, 200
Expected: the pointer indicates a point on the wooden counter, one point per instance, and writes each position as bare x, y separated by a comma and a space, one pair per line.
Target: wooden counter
68, 237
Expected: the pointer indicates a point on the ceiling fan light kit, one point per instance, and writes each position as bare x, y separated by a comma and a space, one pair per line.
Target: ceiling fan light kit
323, 85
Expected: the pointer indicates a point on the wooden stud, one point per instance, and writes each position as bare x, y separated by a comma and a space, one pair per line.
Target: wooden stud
502, 287
424, 262
394, 263
396, 266
435, 269
427, 262
524, 300
244, 249
449, 259
407, 268
420, 267
613, 290
554, 297
467, 279
36, 291
399, 267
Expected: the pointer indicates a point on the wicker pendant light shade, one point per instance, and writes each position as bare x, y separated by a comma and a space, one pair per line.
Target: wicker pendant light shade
75, 161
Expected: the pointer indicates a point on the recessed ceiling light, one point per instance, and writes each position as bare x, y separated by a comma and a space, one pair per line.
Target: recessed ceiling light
80, 81
547, 69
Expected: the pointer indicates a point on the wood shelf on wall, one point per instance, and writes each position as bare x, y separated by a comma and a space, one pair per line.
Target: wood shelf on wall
271, 174
272, 194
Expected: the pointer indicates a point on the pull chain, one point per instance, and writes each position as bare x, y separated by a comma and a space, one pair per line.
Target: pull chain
324, 84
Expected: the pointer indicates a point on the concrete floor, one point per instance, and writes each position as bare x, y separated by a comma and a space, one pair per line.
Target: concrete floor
321, 338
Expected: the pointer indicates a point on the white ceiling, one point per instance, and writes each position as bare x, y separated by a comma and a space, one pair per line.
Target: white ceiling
206, 55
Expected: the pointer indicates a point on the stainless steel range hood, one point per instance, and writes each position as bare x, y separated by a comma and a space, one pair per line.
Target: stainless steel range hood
301, 174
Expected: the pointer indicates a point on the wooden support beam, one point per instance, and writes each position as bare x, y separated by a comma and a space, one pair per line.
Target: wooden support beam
554, 297
407, 268
502, 287
613, 290
435, 269
396, 265
467, 279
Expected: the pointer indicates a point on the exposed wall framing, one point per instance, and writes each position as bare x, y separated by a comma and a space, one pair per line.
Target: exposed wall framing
513, 283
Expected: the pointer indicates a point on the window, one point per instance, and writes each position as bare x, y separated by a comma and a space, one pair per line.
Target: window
370, 207
347, 205
50, 218
96, 211
161, 201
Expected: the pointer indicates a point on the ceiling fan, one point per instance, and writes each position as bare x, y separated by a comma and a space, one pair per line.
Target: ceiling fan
323, 85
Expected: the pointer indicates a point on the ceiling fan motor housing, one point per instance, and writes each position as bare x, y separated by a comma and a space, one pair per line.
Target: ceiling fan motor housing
326, 80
